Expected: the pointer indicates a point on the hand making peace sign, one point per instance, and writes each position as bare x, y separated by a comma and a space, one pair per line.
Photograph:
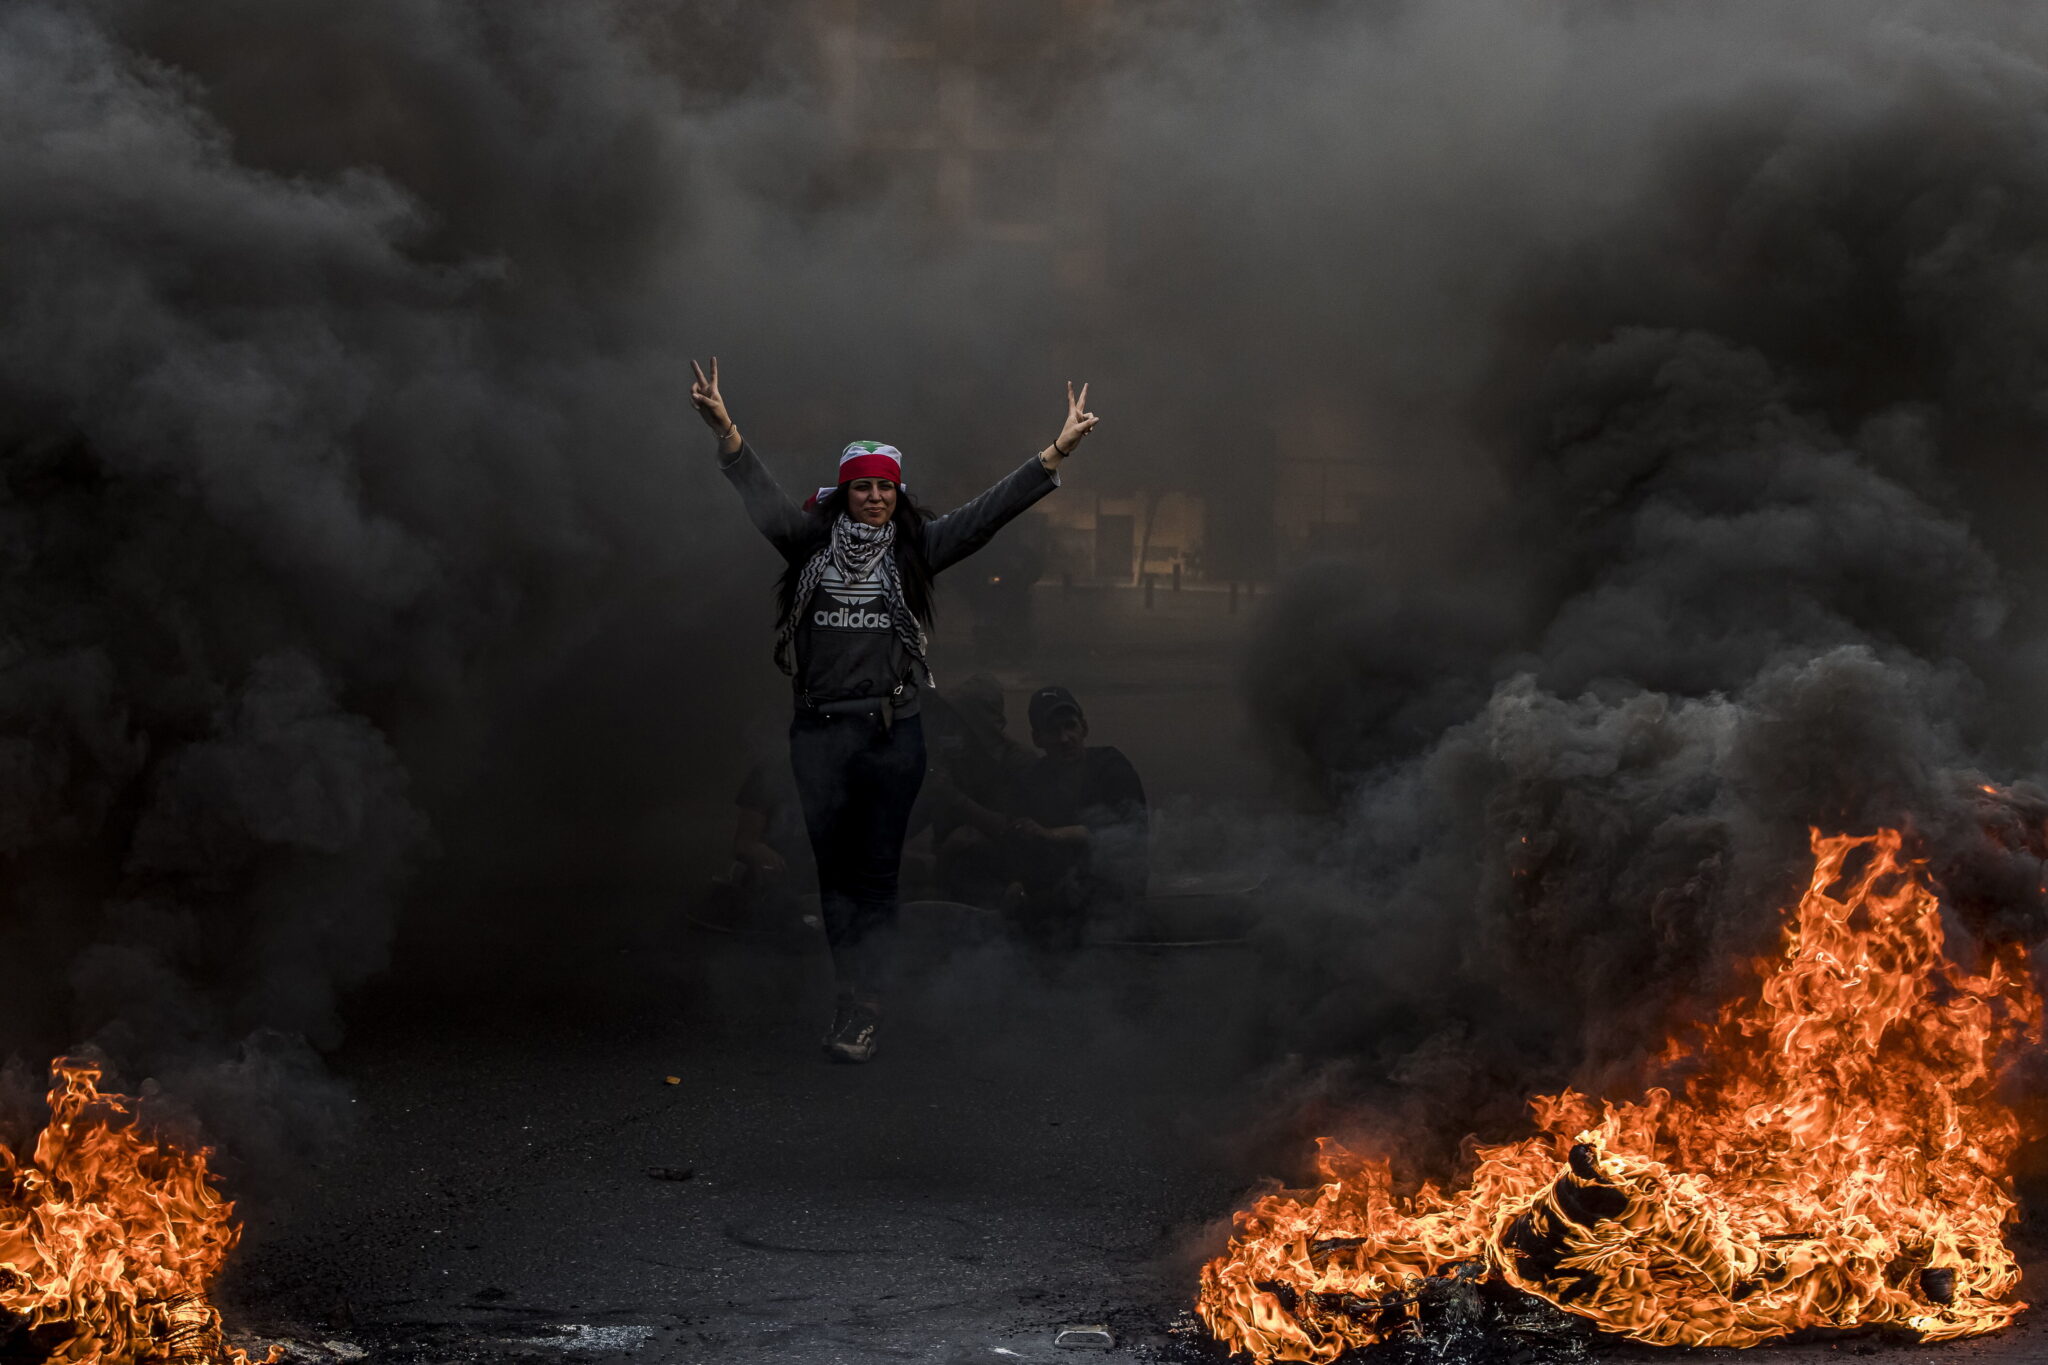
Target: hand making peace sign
1080, 422
710, 404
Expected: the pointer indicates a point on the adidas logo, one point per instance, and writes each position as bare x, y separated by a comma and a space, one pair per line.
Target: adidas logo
852, 618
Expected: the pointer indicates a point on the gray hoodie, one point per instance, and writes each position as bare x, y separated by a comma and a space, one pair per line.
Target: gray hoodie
846, 643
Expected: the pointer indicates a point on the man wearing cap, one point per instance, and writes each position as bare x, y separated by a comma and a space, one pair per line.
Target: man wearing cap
1081, 836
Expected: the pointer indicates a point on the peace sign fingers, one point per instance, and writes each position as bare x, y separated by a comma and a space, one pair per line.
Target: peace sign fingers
705, 397
1079, 423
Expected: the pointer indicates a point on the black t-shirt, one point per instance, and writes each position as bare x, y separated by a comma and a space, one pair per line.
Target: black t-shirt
846, 640
846, 643
1101, 791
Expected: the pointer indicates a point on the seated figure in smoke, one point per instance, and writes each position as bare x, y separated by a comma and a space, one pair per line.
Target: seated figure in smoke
971, 790
855, 604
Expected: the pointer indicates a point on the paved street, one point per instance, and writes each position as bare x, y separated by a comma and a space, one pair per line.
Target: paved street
1023, 1155
1034, 1147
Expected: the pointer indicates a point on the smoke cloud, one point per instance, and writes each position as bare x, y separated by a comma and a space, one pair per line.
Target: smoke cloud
368, 576
362, 554
1710, 341
337, 423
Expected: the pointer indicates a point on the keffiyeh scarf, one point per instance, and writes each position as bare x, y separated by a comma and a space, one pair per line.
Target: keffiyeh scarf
858, 551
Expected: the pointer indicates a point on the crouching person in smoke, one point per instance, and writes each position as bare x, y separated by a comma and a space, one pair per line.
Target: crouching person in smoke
972, 790
856, 601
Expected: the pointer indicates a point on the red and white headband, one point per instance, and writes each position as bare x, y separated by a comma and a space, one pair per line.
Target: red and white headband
866, 460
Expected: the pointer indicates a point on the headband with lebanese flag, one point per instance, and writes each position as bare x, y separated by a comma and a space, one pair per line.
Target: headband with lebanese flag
865, 460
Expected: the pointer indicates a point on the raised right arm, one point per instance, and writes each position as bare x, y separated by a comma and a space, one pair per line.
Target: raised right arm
773, 514
770, 509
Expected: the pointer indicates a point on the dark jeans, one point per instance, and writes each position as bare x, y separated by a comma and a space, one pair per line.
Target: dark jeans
857, 779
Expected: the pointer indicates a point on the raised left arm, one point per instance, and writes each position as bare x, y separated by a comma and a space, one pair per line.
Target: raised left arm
960, 532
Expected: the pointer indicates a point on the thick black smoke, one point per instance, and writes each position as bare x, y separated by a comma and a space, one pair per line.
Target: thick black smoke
356, 526
336, 420
1754, 549
362, 553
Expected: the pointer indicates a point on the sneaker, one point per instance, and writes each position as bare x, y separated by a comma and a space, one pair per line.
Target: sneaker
852, 1038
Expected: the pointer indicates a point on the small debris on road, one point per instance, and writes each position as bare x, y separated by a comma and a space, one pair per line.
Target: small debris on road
671, 1172
1085, 1336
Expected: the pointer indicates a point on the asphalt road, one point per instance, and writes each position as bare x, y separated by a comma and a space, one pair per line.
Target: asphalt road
1029, 1150
1026, 1152
1036, 1145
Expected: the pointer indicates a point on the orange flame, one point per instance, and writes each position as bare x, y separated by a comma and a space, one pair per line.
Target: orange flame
1839, 1160
108, 1239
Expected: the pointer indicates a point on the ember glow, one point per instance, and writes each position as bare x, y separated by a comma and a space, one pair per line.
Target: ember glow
1838, 1158
109, 1238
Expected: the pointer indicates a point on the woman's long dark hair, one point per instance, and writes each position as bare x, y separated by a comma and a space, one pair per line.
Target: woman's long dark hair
912, 564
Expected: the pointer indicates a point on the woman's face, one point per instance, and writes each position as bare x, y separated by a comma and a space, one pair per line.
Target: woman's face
872, 501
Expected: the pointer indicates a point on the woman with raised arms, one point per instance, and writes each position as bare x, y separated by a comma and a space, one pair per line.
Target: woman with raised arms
855, 602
